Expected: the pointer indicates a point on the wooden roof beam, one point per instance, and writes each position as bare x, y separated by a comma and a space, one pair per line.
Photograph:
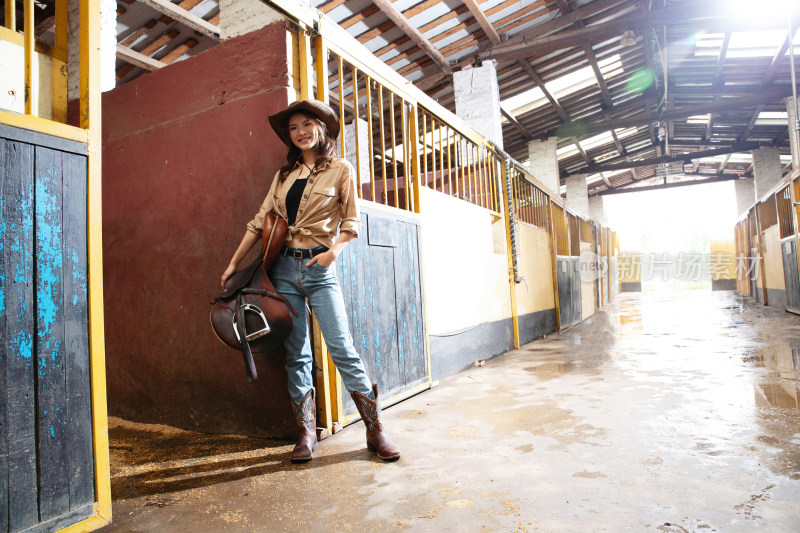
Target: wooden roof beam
514, 122
627, 187
486, 26
723, 163
135, 59
420, 40
643, 119
540, 82
737, 147
184, 17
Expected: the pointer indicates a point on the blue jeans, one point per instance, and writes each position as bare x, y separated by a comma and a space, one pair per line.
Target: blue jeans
296, 282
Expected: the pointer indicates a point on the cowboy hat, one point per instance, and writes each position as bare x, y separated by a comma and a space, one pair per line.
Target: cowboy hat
312, 107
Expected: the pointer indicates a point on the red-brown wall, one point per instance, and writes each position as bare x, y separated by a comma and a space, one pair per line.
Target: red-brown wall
188, 156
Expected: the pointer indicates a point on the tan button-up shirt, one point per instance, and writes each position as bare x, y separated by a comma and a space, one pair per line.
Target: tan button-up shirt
329, 199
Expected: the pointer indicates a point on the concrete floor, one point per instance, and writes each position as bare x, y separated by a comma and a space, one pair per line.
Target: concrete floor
657, 414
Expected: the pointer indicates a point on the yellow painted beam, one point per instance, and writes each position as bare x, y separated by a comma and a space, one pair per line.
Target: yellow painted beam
91, 120
30, 42
42, 125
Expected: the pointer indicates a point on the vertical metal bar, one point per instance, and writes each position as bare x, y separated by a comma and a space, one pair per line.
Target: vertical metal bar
358, 139
493, 172
414, 137
341, 109
515, 195
30, 91
449, 163
406, 153
394, 148
455, 162
476, 153
468, 164
441, 156
433, 151
371, 138
425, 145
383, 144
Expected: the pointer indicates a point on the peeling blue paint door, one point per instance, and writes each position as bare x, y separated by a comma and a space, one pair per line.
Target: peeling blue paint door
46, 451
380, 278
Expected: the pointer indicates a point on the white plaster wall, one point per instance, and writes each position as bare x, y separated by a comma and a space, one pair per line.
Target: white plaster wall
466, 283
238, 17
12, 80
477, 97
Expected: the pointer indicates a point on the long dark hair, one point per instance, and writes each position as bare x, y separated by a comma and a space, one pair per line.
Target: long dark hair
325, 149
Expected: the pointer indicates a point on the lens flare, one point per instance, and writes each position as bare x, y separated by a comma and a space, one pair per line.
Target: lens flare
641, 80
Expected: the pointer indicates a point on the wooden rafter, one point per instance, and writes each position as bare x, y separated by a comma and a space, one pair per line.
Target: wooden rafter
147, 51
644, 119
486, 26
184, 17
626, 188
135, 59
420, 40
738, 147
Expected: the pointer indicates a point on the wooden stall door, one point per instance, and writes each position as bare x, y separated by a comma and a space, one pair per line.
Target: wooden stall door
46, 455
382, 287
790, 273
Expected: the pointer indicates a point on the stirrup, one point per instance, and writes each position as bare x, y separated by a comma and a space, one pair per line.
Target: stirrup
245, 307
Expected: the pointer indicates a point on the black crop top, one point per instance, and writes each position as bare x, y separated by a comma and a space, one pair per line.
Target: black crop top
293, 196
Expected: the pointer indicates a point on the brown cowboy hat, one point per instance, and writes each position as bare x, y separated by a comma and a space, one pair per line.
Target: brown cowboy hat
313, 107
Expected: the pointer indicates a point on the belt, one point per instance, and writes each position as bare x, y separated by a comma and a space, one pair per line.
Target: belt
301, 253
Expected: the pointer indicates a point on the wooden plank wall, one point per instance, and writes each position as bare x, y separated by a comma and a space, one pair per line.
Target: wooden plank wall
380, 278
47, 465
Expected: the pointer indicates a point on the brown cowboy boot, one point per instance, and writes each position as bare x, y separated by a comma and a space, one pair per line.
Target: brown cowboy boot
377, 439
305, 414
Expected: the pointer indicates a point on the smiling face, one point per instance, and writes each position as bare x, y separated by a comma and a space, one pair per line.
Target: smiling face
303, 131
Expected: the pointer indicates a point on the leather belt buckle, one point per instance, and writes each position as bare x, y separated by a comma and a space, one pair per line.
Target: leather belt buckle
297, 253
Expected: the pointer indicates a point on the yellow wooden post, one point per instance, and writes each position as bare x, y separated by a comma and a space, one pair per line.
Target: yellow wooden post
90, 119
30, 92
322, 69
304, 54
326, 395
510, 253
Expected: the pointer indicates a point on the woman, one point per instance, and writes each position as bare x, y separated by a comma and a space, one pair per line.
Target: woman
316, 194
